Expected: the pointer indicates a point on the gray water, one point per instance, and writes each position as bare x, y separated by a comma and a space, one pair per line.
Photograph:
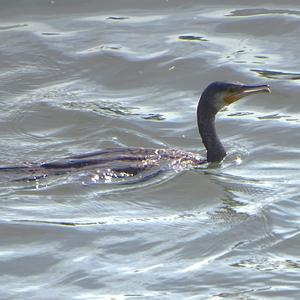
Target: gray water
79, 76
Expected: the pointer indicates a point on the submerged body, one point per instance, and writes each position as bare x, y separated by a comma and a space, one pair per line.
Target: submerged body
125, 159
128, 162
111, 163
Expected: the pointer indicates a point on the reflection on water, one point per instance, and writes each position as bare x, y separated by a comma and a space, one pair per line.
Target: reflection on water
276, 74
78, 78
263, 11
192, 38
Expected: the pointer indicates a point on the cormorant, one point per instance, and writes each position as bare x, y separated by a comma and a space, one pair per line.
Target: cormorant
126, 162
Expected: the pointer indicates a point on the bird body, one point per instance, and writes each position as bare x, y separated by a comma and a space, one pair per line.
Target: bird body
128, 162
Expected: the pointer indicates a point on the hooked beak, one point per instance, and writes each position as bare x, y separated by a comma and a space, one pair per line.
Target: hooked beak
245, 90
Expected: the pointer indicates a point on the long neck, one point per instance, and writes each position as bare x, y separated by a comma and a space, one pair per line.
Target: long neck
207, 130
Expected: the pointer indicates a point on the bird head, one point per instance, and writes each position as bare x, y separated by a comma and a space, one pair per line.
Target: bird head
220, 94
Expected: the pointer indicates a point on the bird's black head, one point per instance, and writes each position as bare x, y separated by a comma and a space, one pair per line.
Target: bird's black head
219, 94
213, 99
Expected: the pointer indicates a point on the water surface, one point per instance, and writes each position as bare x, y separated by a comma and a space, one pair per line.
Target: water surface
87, 75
